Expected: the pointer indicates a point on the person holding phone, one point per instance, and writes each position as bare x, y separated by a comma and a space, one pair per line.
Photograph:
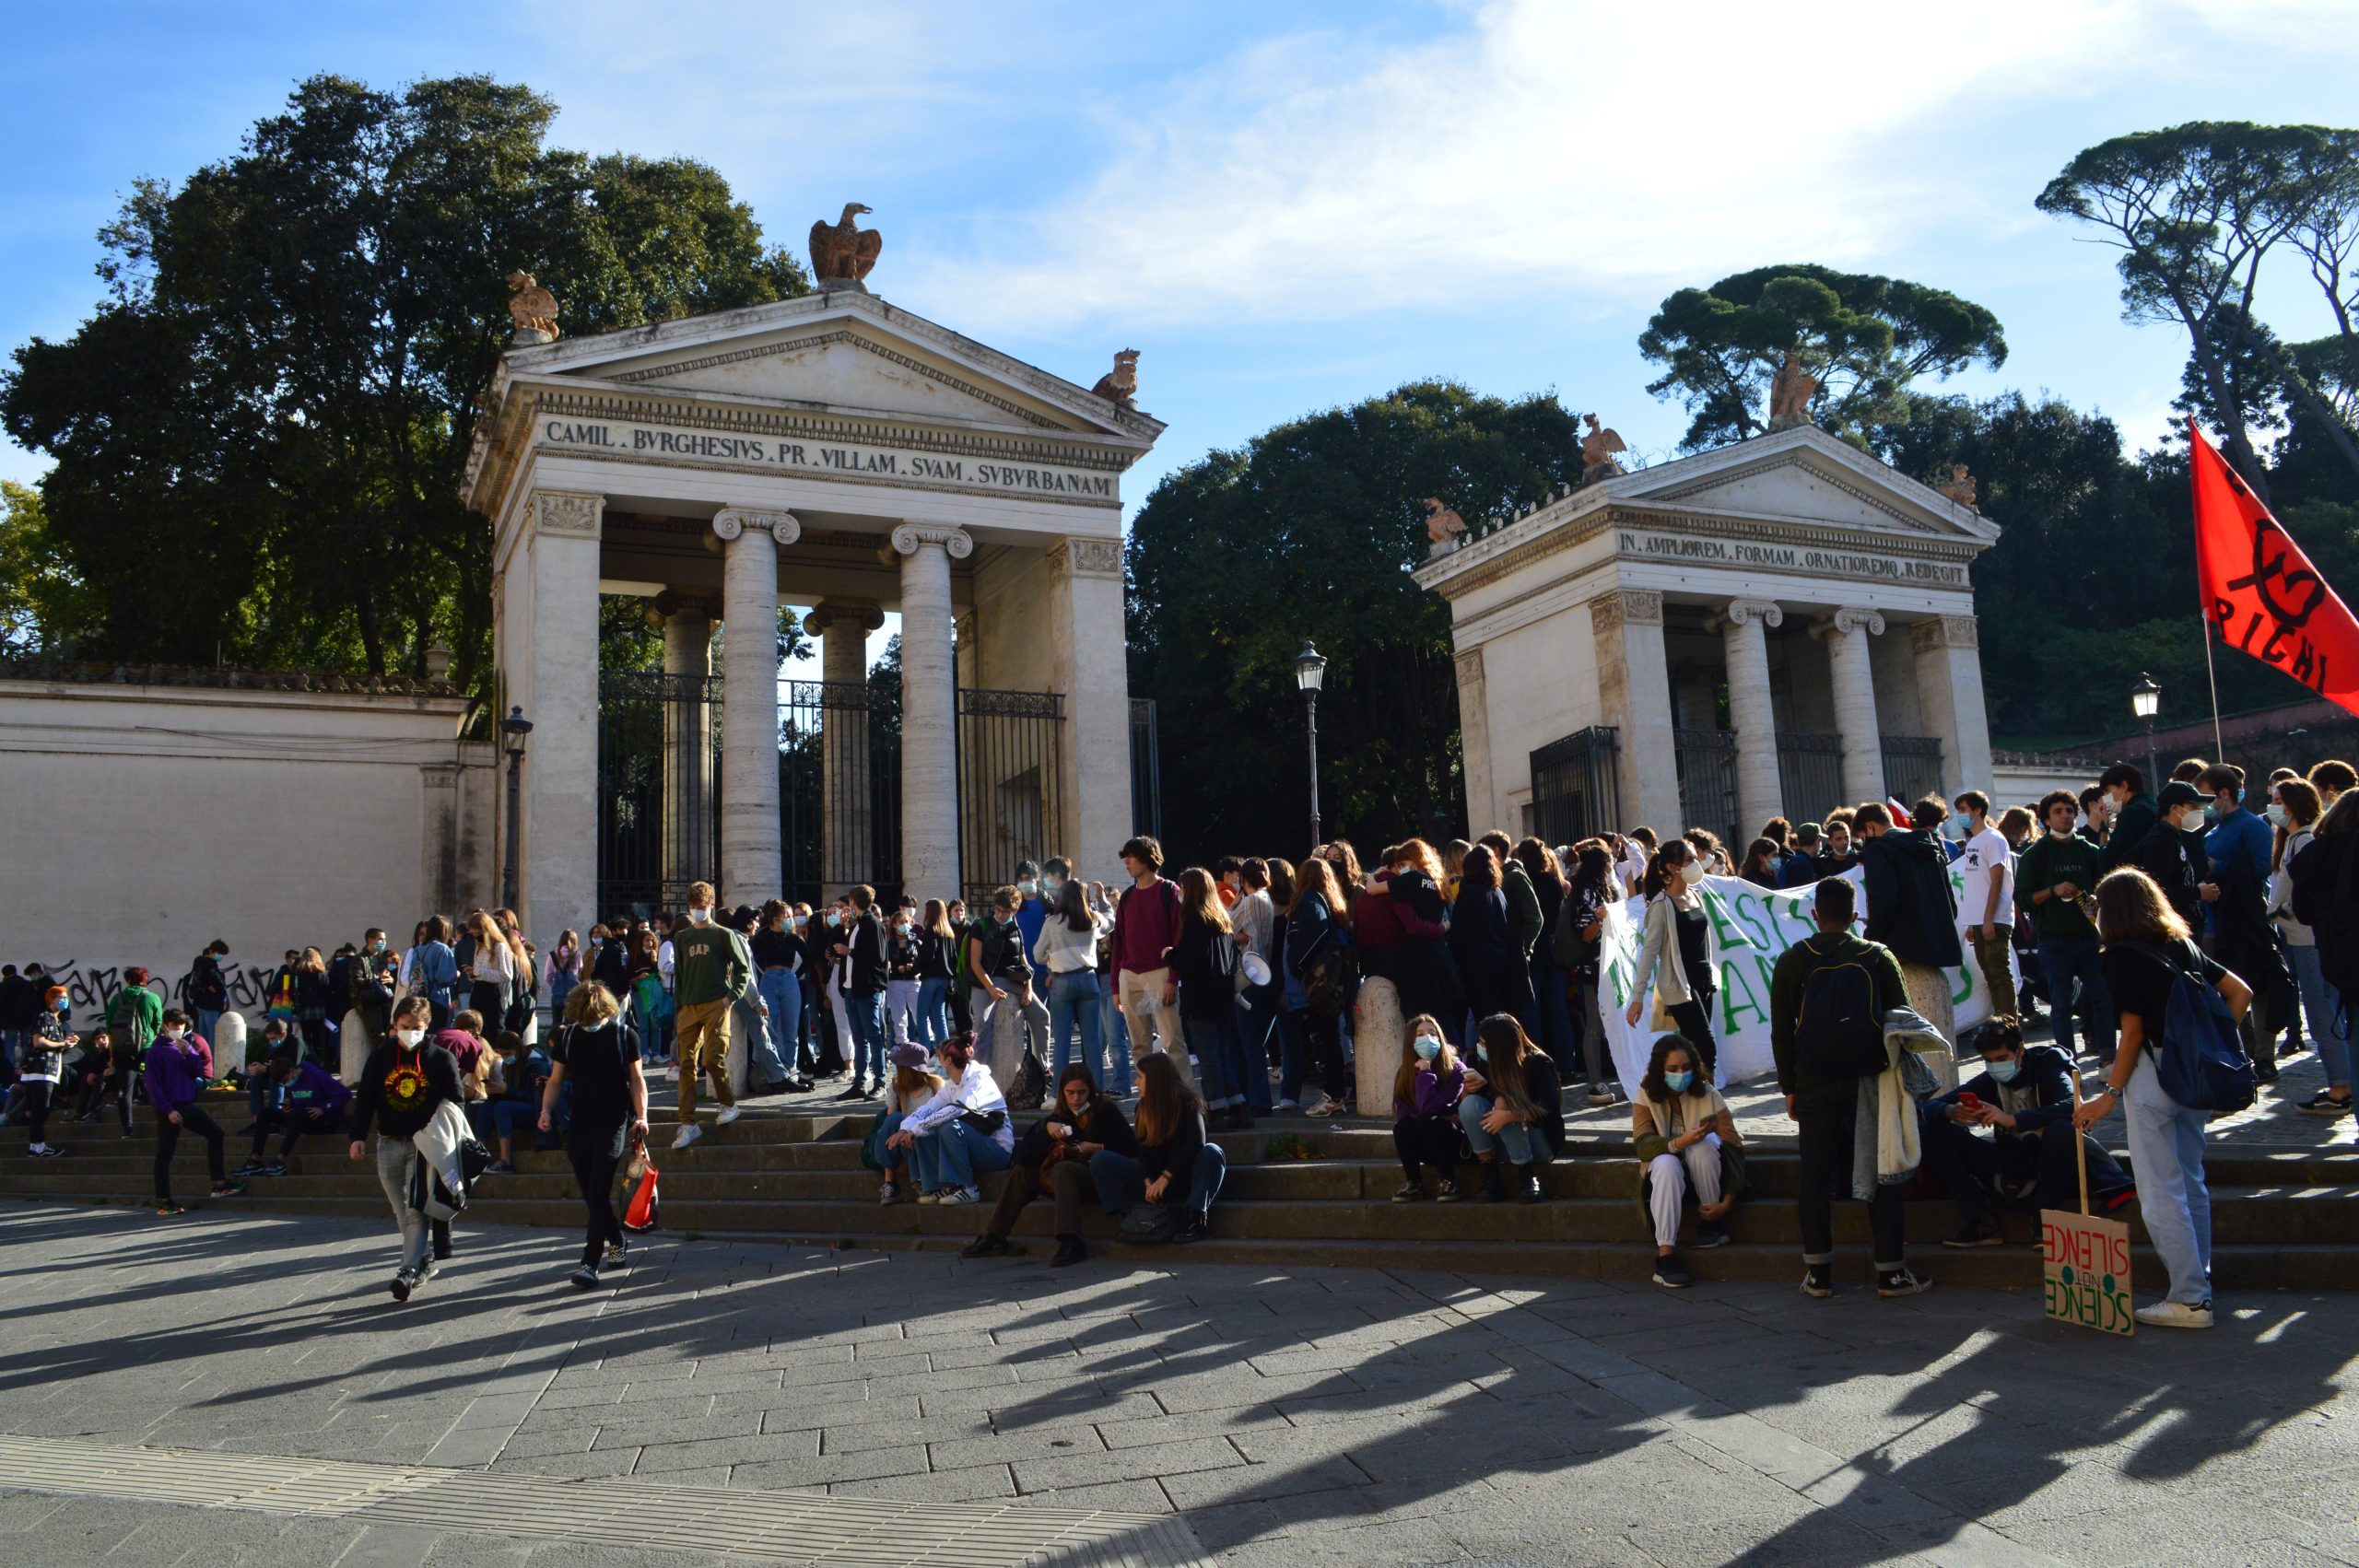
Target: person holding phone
2023, 1097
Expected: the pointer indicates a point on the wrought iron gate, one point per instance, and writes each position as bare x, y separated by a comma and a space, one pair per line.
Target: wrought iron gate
1147, 769
1010, 798
1912, 768
1576, 786
839, 788
659, 789
1706, 761
1810, 773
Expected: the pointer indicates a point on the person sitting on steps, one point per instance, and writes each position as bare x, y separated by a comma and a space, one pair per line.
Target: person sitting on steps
312, 1100
2024, 1095
1687, 1141
1425, 1109
1513, 1098
1177, 1164
960, 1131
1055, 1153
910, 1086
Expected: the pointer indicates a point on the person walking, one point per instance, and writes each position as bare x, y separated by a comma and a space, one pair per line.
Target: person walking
596, 1054
1675, 952
405, 1081
711, 967
174, 1077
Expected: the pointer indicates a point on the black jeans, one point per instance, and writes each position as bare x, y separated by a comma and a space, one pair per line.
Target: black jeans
1970, 1167
1694, 1021
168, 1139
596, 1156
36, 1093
291, 1125
1427, 1140
1827, 1123
1326, 1034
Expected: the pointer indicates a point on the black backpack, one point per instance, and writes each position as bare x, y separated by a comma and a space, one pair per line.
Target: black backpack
1839, 1034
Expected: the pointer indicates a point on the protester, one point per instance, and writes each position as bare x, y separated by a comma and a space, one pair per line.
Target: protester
594, 1060
137, 1014
312, 1101
1841, 854
1146, 922
2052, 879
1318, 950
1177, 1164
1827, 994
1550, 1020
1205, 960
1989, 908
1675, 954
405, 1081
174, 1077
937, 942
1800, 868
2326, 899
1003, 978
2235, 907
910, 1086
41, 1065
778, 955
2331, 779
1582, 928
1255, 923
2171, 853
434, 969
1425, 1112
1491, 966
2295, 813
712, 968
1764, 863
1912, 910
1054, 1154
1514, 1103
961, 1131
1066, 950
209, 987
1687, 1141
2023, 1095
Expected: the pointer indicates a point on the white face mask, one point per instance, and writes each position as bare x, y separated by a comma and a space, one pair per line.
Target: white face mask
174, 1032
1690, 873
699, 916
409, 1037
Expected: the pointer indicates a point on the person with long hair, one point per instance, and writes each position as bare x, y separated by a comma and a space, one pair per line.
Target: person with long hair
1254, 920
564, 970
489, 965
597, 1055
2294, 811
1489, 968
1293, 1037
1594, 885
1206, 959
1177, 1164
1550, 1020
1067, 950
312, 1021
776, 1046
2148, 948
937, 942
1764, 863
1318, 942
2325, 898
1424, 972
1676, 956
1425, 1112
910, 1086
1514, 1101
1682, 1127
1053, 1155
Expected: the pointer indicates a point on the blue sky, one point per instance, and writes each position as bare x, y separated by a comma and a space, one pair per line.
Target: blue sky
1284, 206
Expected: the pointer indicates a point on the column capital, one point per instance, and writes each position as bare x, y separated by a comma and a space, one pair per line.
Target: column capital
731, 522
911, 537
1849, 620
1625, 606
671, 602
1744, 612
860, 613
568, 512
1944, 631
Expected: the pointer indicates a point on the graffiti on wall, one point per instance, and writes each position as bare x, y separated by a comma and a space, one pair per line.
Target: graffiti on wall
92, 988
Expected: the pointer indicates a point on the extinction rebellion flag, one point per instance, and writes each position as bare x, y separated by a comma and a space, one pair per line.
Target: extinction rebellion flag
2260, 591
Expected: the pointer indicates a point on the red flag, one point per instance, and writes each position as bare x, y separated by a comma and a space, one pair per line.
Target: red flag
2259, 589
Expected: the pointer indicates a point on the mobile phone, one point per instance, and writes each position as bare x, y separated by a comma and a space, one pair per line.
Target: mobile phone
1969, 1099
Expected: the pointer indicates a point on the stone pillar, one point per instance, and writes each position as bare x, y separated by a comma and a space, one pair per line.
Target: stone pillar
1851, 672
1090, 668
929, 715
1744, 639
750, 857
1634, 690
1949, 694
550, 663
846, 826
1483, 812
687, 741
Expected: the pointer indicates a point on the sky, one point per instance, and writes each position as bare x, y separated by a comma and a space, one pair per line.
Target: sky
1283, 207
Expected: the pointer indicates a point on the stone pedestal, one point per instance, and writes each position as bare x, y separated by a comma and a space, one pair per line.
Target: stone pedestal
1380, 1035
1852, 671
1634, 690
1744, 628
929, 720
750, 854
550, 663
846, 828
1949, 694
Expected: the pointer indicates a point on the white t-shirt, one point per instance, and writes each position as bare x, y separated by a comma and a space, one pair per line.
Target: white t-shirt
1985, 851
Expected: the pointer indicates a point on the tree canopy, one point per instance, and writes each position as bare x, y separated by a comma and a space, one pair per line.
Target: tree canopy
258, 437
1865, 338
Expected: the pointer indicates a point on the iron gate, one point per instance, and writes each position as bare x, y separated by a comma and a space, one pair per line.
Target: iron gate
839, 788
1010, 799
1146, 770
1706, 760
1810, 773
1912, 768
1576, 786
659, 789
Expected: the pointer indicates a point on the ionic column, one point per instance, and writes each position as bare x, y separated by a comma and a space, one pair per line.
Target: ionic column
1744, 643
845, 837
1483, 812
1089, 668
549, 587
1949, 693
1851, 672
751, 864
929, 735
1634, 689
687, 741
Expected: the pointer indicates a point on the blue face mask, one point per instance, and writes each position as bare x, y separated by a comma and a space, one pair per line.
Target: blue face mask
2005, 1069
2212, 811
1677, 1082
1428, 1047
1961, 825
1482, 1051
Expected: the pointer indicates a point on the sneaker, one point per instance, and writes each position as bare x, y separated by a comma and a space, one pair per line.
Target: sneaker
276, 1168
1070, 1251
584, 1278
1984, 1231
1818, 1280
1528, 1185
45, 1152
2175, 1314
424, 1271
887, 1194
499, 1168
1671, 1273
250, 1168
1411, 1192
169, 1210
689, 1133
854, 1092
616, 1256
1286, 1107
403, 1282
934, 1196
1448, 1193
728, 1114
1193, 1229
1710, 1236
227, 1188
1598, 1098
2324, 1104
1326, 1109
961, 1195
1901, 1282
86, 1117
984, 1246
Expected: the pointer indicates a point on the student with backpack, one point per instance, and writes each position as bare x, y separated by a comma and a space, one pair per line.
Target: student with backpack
1827, 1000
2181, 1061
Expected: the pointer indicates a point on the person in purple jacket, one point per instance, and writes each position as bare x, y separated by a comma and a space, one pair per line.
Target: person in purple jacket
311, 1099
1424, 1109
175, 1072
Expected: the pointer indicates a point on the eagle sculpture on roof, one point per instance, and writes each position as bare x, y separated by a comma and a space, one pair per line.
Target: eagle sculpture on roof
532, 308
841, 254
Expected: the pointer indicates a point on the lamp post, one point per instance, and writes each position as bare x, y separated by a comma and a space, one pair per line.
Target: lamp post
1309, 670
515, 727
2145, 701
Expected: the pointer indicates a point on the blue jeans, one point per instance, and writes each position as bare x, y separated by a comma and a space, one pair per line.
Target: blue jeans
1116, 1033
1074, 1009
2064, 960
867, 1015
1220, 1057
896, 1159
2322, 1010
205, 1023
1257, 1015
933, 1011
1525, 1144
1294, 1055
953, 1153
773, 1051
2167, 1154
262, 1093
1121, 1187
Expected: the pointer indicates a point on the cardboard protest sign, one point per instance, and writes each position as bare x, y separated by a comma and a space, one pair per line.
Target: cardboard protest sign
2084, 1270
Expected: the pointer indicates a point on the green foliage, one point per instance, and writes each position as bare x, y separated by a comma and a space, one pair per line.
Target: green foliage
1865, 338
1308, 535
258, 440
43, 607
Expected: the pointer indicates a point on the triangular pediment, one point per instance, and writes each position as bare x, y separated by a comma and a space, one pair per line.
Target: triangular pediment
1804, 475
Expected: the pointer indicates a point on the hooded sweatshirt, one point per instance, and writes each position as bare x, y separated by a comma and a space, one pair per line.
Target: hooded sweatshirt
173, 1072
1910, 907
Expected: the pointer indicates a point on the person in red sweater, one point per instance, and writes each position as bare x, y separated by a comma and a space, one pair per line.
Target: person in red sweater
1146, 924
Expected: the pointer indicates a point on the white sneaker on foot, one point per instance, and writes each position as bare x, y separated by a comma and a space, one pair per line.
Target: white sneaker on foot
2175, 1314
728, 1114
961, 1195
689, 1133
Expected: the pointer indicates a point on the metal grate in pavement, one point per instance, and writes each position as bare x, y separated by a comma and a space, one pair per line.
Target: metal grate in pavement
798, 1528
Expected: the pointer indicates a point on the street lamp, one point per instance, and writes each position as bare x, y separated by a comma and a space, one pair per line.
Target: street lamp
515, 727
2145, 701
1309, 670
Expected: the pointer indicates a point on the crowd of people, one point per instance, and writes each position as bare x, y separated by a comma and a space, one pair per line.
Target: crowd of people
1144, 1020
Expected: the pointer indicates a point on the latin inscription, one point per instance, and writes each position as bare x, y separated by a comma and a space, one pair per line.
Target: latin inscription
1789, 558
829, 458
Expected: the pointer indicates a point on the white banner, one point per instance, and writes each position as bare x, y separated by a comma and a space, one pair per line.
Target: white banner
1749, 926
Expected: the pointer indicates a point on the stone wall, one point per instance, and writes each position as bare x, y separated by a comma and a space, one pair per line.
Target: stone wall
149, 818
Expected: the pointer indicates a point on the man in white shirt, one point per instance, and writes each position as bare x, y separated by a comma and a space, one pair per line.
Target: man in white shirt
961, 1131
1987, 905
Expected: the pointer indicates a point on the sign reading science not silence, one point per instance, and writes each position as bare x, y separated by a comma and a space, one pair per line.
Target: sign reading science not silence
830, 458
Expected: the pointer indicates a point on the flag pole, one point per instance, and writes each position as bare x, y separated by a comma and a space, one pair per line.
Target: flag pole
2211, 674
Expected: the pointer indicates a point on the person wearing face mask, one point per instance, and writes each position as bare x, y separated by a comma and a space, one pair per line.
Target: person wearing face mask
2052, 879
1675, 955
1425, 1113
2135, 814
962, 1130
1687, 1140
713, 968
1514, 1104
901, 974
407, 1079
1841, 853
2023, 1095
312, 1100
778, 957
175, 1076
2171, 852
1988, 869
2236, 909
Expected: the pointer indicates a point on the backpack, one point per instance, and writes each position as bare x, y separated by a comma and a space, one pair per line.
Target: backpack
1569, 947
2200, 1061
1838, 1034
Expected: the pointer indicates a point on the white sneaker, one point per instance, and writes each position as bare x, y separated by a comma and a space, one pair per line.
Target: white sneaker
2175, 1314
934, 1196
962, 1194
888, 1194
728, 1114
1285, 1107
689, 1133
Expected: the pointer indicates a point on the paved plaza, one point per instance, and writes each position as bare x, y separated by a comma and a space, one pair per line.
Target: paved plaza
1314, 1417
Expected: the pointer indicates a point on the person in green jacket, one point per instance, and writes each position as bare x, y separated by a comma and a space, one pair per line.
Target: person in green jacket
135, 1015
711, 967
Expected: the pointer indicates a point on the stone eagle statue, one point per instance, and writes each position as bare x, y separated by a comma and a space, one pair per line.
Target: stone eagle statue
1960, 487
533, 308
1790, 390
842, 253
1121, 384
1442, 522
1598, 447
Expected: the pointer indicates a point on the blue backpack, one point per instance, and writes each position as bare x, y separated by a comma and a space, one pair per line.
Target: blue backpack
2199, 1059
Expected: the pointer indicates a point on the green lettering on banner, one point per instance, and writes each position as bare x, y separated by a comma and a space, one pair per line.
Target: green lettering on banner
1733, 986
1724, 930
1751, 909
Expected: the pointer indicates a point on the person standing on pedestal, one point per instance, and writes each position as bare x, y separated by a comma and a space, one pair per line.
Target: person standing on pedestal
1911, 909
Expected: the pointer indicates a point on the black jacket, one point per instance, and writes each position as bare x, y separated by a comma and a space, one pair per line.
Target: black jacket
440, 1072
1175, 1158
1102, 1123
1910, 907
2045, 1080
867, 976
